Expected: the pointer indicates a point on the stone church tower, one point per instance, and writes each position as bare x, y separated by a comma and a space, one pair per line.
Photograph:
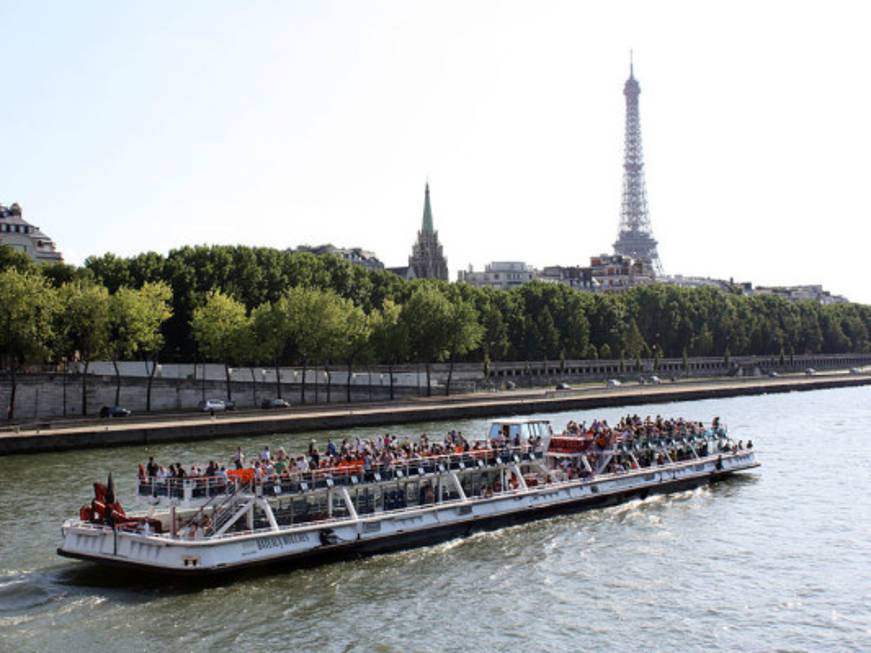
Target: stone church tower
427, 260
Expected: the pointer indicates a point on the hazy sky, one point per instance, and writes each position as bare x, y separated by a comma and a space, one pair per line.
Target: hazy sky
127, 127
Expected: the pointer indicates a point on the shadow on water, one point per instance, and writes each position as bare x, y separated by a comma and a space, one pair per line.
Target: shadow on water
142, 585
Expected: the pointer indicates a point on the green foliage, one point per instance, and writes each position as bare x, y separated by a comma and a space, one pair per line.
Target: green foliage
300, 306
14, 259
270, 326
315, 321
219, 327
154, 305
389, 335
85, 327
27, 305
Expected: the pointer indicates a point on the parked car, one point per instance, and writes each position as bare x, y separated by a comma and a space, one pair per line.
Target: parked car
213, 406
855, 370
810, 371
613, 383
773, 374
655, 380
114, 411
563, 386
274, 403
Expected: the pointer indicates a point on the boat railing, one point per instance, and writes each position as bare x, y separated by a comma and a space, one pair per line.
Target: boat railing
205, 487
617, 443
552, 484
183, 489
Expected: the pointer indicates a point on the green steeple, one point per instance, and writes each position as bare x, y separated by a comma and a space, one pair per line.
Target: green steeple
427, 213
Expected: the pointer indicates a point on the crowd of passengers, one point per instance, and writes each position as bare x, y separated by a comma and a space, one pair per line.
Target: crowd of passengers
386, 452
679, 440
359, 455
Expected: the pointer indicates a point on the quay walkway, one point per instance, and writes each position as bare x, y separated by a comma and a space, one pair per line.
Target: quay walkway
141, 430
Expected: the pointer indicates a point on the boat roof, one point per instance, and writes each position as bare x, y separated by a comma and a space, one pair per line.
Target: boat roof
520, 420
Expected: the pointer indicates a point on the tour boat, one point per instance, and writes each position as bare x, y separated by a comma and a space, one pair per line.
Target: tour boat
520, 471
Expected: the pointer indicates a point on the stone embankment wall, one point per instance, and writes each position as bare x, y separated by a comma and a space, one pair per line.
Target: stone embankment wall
179, 388
41, 396
523, 373
532, 372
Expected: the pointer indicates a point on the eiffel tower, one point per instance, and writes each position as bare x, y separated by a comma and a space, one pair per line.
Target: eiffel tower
636, 237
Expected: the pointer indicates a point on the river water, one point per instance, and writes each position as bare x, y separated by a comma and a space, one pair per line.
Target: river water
775, 559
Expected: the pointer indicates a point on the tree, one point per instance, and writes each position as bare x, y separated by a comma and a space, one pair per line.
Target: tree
58, 273
315, 328
389, 337
85, 307
634, 342
251, 352
463, 334
354, 345
426, 318
605, 351
219, 331
271, 326
27, 305
14, 259
127, 329
495, 339
154, 298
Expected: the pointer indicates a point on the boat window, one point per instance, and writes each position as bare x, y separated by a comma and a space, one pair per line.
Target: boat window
506, 430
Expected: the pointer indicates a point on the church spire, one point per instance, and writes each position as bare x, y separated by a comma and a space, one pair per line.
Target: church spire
427, 260
427, 212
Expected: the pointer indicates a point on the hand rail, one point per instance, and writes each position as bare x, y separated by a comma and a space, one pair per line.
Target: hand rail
343, 474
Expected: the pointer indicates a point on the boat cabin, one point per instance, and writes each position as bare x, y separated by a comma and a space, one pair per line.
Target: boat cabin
512, 430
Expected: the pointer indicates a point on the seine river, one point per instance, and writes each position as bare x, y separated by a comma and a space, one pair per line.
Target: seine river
778, 559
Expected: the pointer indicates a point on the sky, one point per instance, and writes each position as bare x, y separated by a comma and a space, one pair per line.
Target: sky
128, 127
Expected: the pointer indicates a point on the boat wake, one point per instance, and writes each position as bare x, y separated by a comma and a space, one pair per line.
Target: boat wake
23, 591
